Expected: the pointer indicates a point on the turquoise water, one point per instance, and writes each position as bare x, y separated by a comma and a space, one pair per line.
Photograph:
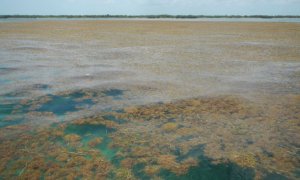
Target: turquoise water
207, 170
115, 93
60, 105
89, 132
12, 112
4, 81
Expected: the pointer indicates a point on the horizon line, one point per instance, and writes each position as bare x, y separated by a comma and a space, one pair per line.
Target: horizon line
146, 16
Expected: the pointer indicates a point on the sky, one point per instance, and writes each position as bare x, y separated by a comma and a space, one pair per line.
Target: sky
146, 7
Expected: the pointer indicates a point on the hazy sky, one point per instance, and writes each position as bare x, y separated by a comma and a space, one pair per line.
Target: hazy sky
139, 7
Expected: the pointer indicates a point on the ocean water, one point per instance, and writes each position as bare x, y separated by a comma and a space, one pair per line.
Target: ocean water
86, 100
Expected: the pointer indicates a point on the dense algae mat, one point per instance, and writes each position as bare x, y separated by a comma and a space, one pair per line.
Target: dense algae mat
221, 137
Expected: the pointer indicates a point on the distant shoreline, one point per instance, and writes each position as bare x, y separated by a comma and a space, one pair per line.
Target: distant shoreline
148, 16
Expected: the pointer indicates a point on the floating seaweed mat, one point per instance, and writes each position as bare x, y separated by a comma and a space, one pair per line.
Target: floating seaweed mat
207, 170
93, 137
10, 114
203, 171
41, 155
147, 154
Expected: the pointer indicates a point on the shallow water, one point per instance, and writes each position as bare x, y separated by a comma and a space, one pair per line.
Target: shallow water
149, 100
166, 140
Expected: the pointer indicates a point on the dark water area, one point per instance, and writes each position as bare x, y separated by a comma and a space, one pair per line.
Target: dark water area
60, 105
14, 107
207, 170
114, 93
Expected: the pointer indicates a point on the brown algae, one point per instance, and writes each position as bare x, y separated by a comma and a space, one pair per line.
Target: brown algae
157, 140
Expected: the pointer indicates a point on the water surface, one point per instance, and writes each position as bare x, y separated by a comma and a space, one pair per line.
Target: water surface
155, 99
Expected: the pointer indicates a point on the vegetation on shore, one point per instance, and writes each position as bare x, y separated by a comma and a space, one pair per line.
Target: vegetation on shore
148, 16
